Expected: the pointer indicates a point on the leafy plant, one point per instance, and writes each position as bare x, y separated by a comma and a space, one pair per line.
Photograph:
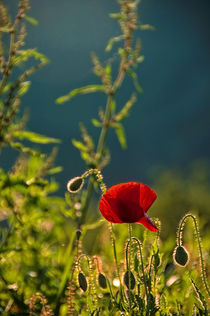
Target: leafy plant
54, 260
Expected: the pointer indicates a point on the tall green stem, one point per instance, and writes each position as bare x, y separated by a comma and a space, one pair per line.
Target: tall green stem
129, 265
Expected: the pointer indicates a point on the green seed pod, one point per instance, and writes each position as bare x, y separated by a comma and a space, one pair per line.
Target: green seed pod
132, 280
102, 281
75, 184
82, 281
181, 256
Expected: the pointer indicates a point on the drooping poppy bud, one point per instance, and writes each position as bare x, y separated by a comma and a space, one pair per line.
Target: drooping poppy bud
102, 281
128, 203
181, 256
78, 234
82, 281
75, 184
132, 280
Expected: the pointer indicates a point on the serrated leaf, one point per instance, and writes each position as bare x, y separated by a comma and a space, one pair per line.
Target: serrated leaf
34, 137
119, 129
82, 90
79, 145
96, 123
31, 20
199, 295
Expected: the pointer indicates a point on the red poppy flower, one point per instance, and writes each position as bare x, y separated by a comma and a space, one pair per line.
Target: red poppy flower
128, 203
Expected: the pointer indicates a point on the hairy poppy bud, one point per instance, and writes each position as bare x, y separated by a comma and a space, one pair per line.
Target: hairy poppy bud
75, 184
78, 234
102, 281
132, 280
82, 281
181, 256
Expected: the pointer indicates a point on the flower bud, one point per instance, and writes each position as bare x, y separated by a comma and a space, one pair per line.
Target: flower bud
181, 256
75, 184
132, 280
102, 281
82, 281
78, 234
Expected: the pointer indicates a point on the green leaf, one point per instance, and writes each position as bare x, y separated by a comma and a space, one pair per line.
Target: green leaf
112, 41
125, 110
24, 86
119, 129
82, 90
79, 145
5, 29
115, 15
31, 20
96, 123
145, 27
55, 170
34, 137
135, 80
140, 59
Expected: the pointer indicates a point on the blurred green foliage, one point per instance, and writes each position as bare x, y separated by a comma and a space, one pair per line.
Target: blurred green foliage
57, 259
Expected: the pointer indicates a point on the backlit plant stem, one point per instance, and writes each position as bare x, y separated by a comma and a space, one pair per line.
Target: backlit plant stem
142, 266
99, 152
197, 234
129, 265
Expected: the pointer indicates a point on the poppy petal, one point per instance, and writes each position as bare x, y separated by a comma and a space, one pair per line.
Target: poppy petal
107, 210
147, 197
120, 203
146, 222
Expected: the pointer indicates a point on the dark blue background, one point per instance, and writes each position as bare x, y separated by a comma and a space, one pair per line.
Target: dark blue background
169, 125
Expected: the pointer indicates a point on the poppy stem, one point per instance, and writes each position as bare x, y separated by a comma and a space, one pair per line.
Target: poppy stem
142, 267
115, 253
129, 265
197, 234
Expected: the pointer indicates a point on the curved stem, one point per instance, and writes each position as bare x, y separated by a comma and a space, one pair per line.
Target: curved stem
197, 233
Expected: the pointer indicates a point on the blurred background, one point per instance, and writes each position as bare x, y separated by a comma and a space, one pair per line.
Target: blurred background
168, 130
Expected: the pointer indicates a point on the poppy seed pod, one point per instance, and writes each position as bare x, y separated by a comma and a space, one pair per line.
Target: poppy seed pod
181, 256
75, 184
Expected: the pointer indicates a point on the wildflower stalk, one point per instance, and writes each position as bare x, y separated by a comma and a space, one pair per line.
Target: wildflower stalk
142, 265
129, 266
99, 152
197, 234
112, 236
